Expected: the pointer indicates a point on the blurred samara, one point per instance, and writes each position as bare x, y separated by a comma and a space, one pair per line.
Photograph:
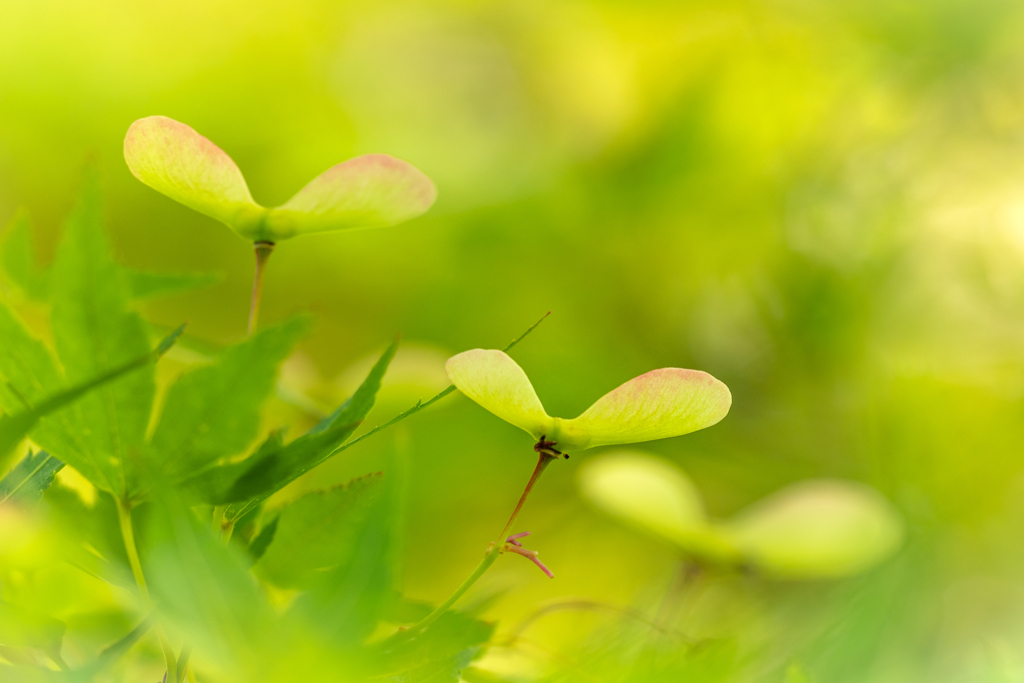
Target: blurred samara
814, 529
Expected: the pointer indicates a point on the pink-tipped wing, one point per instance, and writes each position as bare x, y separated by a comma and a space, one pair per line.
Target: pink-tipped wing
656, 405
365, 192
176, 161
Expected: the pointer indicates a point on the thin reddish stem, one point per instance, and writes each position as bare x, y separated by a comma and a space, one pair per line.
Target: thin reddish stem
263, 250
542, 462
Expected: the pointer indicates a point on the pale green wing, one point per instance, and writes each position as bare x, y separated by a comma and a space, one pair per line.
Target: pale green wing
497, 383
817, 529
366, 192
656, 405
176, 161
653, 496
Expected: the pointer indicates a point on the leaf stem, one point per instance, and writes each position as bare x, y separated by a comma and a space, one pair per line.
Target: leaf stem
542, 462
263, 250
490, 555
124, 517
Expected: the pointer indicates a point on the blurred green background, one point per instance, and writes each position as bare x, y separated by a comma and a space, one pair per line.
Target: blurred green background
820, 203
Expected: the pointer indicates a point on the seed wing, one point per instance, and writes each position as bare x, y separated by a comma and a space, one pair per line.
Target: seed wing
817, 529
497, 383
175, 160
370, 191
656, 405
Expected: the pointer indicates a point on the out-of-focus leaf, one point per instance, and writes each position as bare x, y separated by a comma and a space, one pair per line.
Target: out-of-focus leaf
202, 586
253, 482
145, 284
349, 600
246, 484
213, 484
83, 674
29, 372
317, 532
247, 528
20, 627
817, 529
114, 652
19, 259
19, 262
213, 412
402, 610
439, 654
258, 477
361, 402
25, 363
14, 427
29, 478
416, 371
92, 535
94, 330
262, 541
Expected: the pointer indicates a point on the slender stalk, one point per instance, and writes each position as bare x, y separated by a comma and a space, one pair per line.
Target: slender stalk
263, 250
490, 555
124, 517
542, 462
